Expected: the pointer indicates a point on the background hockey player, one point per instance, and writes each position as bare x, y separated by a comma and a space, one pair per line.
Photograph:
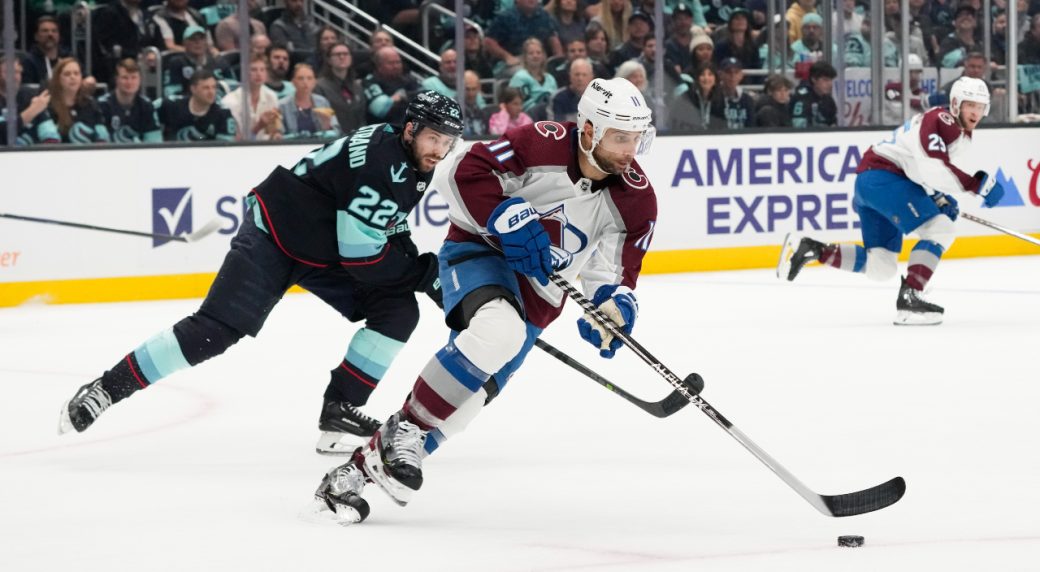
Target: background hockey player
545, 197
902, 188
334, 224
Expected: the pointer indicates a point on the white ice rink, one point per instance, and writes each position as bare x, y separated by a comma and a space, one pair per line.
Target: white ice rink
209, 469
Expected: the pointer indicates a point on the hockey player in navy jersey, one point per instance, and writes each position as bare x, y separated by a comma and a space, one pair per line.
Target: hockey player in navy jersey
548, 197
904, 186
335, 224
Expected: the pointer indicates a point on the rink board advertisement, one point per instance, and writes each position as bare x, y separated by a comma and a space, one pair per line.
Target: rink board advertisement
724, 202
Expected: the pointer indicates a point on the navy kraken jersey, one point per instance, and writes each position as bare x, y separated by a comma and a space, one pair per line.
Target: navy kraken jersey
135, 124
346, 203
180, 124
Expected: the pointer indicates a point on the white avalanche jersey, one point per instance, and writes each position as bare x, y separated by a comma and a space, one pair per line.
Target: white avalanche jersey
599, 230
925, 150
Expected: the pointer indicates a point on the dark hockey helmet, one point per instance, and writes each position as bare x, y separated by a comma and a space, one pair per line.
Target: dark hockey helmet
436, 111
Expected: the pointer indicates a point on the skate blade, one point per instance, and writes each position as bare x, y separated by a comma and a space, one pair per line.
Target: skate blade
64, 421
783, 267
372, 466
905, 318
318, 512
334, 443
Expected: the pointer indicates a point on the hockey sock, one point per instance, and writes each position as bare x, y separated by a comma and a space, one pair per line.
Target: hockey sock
849, 257
368, 357
445, 384
189, 342
924, 258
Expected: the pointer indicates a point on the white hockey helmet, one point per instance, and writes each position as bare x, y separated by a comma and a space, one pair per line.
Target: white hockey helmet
615, 104
968, 89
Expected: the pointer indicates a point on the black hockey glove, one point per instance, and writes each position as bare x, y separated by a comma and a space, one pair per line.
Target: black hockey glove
404, 242
430, 281
947, 205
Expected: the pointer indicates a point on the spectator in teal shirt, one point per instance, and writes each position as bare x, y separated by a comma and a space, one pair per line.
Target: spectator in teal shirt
533, 82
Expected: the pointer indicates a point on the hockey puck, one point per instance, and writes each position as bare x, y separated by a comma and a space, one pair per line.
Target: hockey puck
850, 541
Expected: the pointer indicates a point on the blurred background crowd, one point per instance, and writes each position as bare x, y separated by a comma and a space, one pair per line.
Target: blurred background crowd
149, 71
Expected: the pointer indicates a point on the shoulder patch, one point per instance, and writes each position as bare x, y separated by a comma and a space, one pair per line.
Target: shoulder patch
551, 130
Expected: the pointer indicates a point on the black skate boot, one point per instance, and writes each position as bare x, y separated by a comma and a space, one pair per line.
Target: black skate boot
393, 458
913, 310
343, 428
795, 254
84, 408
340, 490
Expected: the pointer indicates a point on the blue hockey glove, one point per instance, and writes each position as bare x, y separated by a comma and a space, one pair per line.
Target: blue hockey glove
620, 305
947, 205
524, 241
989, 189
429, 280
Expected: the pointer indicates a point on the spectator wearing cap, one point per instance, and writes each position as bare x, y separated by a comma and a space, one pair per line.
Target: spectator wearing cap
773, 107
169, 26
513, 26
961, 41
795, 13
640, 27
534, 83
812, 104
563, 104
810, 47
569, 18
613, 17
738, 41
177, 75
731, 104
677, 44
477, 58
294, 29
681, 21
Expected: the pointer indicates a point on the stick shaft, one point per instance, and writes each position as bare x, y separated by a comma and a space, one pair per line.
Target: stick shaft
1003, 229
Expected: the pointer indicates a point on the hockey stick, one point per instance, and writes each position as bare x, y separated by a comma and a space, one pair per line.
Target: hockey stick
208, 229
673, 402
1003, 229
849, 504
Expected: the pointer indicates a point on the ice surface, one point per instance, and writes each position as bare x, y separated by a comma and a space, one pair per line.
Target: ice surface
210, 469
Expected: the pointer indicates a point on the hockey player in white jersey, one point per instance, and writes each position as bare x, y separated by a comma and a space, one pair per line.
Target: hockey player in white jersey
903, 186
548, 197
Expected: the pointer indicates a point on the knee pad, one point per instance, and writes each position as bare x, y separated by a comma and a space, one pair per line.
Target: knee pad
882, 264
495, 335
940, 230
202, 337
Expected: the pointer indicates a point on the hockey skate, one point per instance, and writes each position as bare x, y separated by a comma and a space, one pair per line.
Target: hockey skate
795, 254
343, 428
340, 492
84, 408
393, 458
913, 310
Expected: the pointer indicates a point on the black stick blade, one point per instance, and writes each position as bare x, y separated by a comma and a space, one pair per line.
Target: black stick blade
867, 500
669, 405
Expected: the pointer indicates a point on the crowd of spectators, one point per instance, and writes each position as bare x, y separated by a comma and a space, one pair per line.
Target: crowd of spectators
307, 81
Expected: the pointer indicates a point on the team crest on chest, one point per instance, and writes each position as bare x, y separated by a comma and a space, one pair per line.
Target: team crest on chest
566, 239
635, 179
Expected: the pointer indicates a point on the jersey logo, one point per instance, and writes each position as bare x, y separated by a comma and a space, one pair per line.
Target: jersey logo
565, 238
398, 175
551, 130
946, 118
635, 179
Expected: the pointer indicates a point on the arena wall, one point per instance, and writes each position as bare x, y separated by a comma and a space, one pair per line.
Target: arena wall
725, 202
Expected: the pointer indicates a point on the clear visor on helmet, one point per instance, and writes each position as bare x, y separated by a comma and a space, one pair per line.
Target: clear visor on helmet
627, 142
